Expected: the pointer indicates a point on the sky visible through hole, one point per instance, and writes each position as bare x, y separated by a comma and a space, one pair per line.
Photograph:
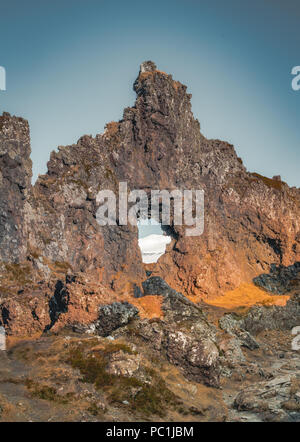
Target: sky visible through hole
152, 240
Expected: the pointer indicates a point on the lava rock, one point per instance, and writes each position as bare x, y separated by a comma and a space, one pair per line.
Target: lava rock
281, 279
155, 285
123, 364
234, 327
275, 317
137, 292
114, 316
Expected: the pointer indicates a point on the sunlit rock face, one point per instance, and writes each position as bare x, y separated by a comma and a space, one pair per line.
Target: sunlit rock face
153, 247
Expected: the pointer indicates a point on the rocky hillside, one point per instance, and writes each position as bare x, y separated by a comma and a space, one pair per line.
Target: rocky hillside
209, 367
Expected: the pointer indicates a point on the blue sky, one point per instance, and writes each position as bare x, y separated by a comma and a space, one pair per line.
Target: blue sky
149, 227
71, 65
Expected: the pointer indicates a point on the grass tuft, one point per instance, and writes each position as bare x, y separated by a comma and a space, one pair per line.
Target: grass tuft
148, 398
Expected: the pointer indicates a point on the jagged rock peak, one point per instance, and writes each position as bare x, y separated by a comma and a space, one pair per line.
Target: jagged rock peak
148, 66
150, 79
13, 128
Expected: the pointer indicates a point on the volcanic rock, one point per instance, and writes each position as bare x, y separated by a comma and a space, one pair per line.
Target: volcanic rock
113, 316
234, 327
123, 364
274, 317
15, 184
280, 279
251, 221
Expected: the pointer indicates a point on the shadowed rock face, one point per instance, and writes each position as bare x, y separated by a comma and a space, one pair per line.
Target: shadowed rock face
250, 221
273, 318
280, 279
261, 318
15, 181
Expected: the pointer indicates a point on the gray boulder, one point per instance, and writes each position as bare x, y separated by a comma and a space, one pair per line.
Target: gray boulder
113, 316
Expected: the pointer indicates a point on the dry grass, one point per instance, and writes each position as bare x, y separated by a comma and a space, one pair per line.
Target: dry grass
149, 306
247, 295
274, 184
46, 392
18, 273
7, 410
149, 398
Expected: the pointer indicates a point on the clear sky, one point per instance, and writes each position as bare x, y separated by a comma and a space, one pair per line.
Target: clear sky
149, 227
71, 64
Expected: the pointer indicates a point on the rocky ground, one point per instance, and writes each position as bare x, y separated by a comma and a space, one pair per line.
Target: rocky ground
207, 368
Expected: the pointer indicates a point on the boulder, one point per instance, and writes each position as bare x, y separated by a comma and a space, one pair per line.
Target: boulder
123, 364
274, 317
114, 316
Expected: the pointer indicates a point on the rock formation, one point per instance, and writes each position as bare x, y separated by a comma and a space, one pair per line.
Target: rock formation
15, 183
49, 231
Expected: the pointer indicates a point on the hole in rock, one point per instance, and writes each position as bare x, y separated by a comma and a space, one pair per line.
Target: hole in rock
152, 240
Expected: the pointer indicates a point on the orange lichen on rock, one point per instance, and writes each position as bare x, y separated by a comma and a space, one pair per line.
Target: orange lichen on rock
144, 75
176, 85
270, 182
149, 306
161, 72
111, 132
83, 304
247, 295
112, 128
